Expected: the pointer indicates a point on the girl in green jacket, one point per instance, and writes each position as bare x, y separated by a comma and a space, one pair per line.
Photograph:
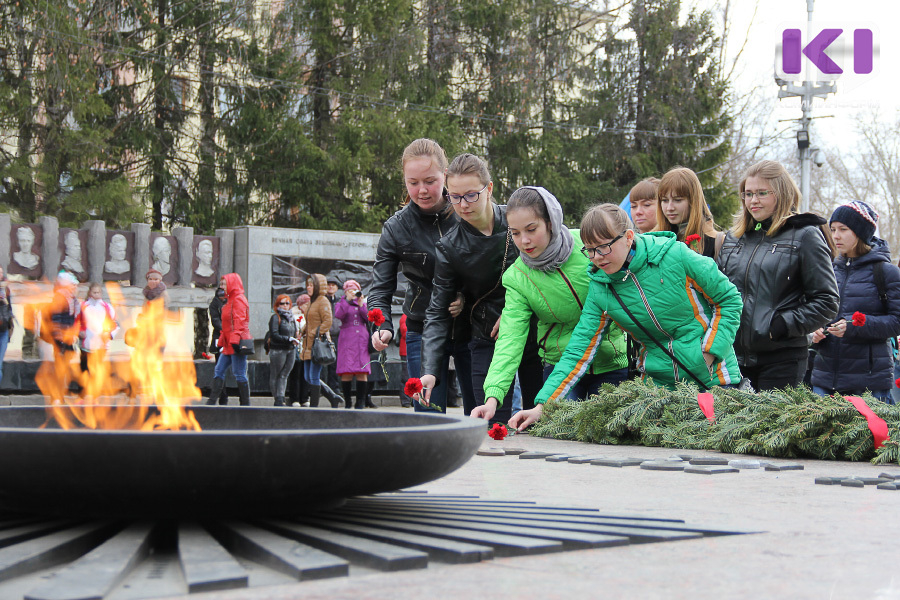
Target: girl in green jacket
676, 303
549, 282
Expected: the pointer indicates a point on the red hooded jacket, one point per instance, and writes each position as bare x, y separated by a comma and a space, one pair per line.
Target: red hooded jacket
235, 314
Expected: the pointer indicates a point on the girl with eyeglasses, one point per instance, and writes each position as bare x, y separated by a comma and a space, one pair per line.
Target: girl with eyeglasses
283, 343
780, 261
674, 302
408, 244
471, 260
548, 282
682, 209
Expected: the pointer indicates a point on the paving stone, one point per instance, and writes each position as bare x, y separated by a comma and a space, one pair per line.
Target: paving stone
829, 480
890, 475
491, 452
784, 467
709, 460
686, 457
580, 460
743, 463
888, 486
710, 469
535, 455
873, 480
559, 458
852, 483
514, 451
663, 465
618, 462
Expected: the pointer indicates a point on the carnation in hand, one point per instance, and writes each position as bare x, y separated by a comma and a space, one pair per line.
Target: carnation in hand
859, 319
376, 316
413, 386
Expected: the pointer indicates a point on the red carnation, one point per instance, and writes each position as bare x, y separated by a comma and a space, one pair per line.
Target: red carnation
859, 319
376, 316
205, 355
498, 431
694, 237
413, 384
897, 383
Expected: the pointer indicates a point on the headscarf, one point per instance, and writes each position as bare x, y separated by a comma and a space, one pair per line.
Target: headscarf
560, 247
154, 293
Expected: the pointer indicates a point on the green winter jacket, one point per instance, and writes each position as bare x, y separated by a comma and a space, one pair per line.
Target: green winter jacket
679, 296
556, 297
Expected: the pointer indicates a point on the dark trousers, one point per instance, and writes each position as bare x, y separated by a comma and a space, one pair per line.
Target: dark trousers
531, 376
776, 376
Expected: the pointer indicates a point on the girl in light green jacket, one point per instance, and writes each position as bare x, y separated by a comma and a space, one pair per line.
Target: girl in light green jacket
549, 282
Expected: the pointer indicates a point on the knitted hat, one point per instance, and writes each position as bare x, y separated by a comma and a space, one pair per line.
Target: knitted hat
859, 217
152, 272
302, 299
351, 284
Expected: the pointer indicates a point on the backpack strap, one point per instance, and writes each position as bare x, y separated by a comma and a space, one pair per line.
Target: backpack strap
878, 276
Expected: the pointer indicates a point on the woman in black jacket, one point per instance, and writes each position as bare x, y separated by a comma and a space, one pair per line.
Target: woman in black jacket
855, 353
283, 344
471, 260
407, 244
780, 262
215, 318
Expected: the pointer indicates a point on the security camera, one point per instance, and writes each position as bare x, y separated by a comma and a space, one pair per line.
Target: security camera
818, 157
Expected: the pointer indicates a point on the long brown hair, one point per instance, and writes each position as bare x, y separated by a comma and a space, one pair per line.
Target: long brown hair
787, 197
681, 182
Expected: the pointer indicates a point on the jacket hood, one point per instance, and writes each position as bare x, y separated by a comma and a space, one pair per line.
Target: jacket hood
648, 248
233, 285
880, 252
804, 220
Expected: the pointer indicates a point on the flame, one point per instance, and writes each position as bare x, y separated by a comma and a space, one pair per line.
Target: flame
120, 394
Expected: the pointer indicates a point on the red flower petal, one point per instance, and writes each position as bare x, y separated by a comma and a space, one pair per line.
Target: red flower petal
694, 237
413, 386
376, 316
897, 383
859, 319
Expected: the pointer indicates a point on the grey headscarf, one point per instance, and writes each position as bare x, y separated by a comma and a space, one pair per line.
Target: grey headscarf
560, 246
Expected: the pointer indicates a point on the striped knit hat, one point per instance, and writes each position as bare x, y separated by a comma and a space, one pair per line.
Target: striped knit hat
859, 217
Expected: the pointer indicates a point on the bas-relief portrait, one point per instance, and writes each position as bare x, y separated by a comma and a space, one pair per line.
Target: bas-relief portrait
205, 263
119, 247
25, 244
164, 257
72, 244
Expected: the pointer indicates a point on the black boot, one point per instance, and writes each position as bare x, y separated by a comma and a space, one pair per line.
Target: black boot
244, 393
279, 400
330, 395
223, 397
314, 396
369, 389
215, 391
347, 388
362, 388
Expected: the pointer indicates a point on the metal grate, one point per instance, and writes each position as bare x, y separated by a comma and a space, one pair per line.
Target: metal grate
68, 560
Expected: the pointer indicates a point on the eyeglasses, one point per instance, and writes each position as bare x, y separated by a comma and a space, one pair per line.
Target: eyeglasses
602, 249
284, 302
471, 197
761, 194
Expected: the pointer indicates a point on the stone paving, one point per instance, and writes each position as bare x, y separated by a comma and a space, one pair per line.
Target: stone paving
811, 541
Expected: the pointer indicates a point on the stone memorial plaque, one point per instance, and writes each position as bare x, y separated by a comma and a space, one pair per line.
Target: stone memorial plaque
164, 257
829, 480
118, 256
784, 467
618, 462
559, 458
743, 463
25, 251
709, 460
535, 455
710, 469
515, 451
205, 261
491, 452
890, 475
852, 483
873, 480
888, 486
73, 252
580, 460
663, 465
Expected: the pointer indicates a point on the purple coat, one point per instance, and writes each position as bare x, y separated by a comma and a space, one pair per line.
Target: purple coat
353, 343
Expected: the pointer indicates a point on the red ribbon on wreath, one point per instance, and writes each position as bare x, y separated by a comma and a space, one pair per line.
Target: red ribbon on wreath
706, 402
877, 425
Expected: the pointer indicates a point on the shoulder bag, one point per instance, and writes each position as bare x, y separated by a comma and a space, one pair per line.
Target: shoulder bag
322, 352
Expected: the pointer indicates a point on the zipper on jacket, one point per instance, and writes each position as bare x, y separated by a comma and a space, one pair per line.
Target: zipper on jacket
834, 376
571, 289
653, 318
749, 329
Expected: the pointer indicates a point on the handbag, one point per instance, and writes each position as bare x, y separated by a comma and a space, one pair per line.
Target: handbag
323, 352
245, 346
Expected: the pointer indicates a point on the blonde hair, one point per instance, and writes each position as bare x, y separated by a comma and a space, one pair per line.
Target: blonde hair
469, 164
423, 148
681, 182
604, 222
787, 197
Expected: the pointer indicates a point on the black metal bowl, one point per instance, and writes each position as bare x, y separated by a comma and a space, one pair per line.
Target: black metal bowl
246, 461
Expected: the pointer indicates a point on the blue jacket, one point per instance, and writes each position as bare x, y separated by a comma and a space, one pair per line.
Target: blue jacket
863, 358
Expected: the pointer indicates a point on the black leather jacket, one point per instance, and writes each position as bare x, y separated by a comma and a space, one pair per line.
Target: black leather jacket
408, 242
472, 263
281, 331
788, 287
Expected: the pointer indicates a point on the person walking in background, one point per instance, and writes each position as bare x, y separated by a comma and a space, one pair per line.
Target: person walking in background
318, 322
675, 302
215, 317
329, 379
6, 318
548, 282
644, 204
855, 352
97, 325
682, 209
780, 261
297, 384
283, 343
407, 243
353, 343
58, 327
235, 327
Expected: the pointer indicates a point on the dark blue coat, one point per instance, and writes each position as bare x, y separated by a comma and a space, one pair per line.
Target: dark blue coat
863, 358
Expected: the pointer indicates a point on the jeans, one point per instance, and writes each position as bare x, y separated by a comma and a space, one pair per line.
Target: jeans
4, 342
895, 391
517, 396
883, 395
590, 384
311, 372
238, 364
461, 359
280, 364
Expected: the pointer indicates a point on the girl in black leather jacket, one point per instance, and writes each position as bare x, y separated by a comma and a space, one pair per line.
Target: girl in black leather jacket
780, 261
471, 260
407, 244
